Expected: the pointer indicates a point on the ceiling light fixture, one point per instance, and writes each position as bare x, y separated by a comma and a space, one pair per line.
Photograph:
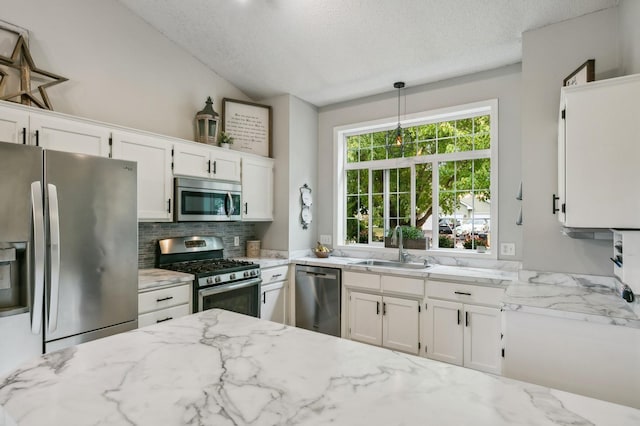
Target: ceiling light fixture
399, 85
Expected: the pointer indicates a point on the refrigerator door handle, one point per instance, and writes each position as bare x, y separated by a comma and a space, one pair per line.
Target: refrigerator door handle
54, 231
39, 253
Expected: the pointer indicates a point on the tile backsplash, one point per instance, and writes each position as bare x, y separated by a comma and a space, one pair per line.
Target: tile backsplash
150, 232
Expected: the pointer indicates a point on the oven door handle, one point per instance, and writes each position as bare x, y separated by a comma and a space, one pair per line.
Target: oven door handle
227, 287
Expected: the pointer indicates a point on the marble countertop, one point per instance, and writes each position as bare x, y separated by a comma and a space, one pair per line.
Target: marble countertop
477, 276
222, 368
150, 279
579, 297
265, 262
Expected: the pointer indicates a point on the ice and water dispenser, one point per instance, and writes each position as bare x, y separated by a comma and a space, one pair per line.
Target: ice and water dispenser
14, 289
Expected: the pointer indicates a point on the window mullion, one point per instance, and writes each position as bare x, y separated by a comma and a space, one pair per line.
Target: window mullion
370, 198
413, 195
435, 213
385, 198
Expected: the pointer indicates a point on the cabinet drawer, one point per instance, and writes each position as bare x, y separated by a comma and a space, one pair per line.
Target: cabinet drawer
360, 280
412, 286
272, 275
163, 298
163, 315
464, 293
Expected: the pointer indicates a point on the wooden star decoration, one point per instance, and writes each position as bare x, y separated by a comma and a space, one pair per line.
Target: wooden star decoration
22, 60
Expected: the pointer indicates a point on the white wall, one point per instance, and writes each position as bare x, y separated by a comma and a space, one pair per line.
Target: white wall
549, 55
295, 147
275, 235
303, 168
629, 12
503, 84
120, 70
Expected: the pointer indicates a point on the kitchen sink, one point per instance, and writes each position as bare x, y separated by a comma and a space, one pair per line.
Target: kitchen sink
392, 264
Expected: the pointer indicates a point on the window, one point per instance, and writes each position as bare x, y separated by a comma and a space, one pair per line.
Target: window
440, 179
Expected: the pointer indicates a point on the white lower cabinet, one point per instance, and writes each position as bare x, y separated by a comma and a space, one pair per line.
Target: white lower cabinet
597, 360
164, 304
386, 321
462, 333
273, 293
273, 302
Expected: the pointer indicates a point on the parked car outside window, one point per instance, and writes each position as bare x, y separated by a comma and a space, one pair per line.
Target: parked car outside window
473, 226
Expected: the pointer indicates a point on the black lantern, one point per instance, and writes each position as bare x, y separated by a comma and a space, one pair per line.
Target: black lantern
207, 124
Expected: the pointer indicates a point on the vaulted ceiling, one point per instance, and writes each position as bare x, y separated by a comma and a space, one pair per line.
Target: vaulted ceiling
328, 51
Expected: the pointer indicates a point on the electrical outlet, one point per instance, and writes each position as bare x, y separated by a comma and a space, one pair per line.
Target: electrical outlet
236, 241
507, 249
325, 239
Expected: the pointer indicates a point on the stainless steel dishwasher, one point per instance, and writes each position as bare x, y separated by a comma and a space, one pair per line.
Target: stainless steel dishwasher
318, 293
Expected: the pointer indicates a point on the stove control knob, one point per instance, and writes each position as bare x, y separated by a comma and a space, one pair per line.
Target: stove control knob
232, 276
253, 273
209, 280
218, 279
246, 274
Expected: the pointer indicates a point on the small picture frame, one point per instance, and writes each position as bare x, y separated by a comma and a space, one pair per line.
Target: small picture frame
249, 124
583, 74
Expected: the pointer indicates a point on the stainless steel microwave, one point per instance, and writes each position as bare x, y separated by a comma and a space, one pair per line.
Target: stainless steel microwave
199, 200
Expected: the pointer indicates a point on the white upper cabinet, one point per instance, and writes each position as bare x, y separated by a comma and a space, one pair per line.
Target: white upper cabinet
19, 124
206, 162
14, 125
155, 178
257, 188
225, 164
598, 148
63, 134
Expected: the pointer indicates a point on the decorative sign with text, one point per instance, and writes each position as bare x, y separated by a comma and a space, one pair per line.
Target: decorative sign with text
249, 125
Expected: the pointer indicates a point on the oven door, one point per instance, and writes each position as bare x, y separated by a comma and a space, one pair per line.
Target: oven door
242, 297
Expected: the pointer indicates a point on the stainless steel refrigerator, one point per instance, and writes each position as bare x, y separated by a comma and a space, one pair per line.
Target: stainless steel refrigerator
68, 250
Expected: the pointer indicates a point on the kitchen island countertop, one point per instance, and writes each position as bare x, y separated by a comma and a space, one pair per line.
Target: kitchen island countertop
222, 368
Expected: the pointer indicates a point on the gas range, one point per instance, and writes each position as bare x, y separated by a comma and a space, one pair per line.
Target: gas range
216, 271
203, 257
219, 283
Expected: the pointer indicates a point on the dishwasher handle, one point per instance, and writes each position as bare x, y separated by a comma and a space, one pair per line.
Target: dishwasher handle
321, 275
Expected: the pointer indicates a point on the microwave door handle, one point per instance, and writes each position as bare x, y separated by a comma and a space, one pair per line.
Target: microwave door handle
231, 210
54, 236
37, 209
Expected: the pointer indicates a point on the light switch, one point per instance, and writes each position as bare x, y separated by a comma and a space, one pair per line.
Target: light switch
507, 249
325, 239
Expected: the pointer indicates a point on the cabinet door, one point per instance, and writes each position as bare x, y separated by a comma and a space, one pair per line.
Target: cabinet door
600, 154
365, 318
482, 350
443, 331
225, 164
191, 160
14, 125
63, 134
273, 302
400, 324
154, 173
257, 189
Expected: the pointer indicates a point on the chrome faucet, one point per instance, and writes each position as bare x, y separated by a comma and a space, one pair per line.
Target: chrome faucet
403, 255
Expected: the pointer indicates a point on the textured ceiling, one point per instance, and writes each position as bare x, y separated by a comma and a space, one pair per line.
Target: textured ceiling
328, 51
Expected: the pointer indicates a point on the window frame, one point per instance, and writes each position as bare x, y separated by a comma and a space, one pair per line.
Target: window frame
340, 133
